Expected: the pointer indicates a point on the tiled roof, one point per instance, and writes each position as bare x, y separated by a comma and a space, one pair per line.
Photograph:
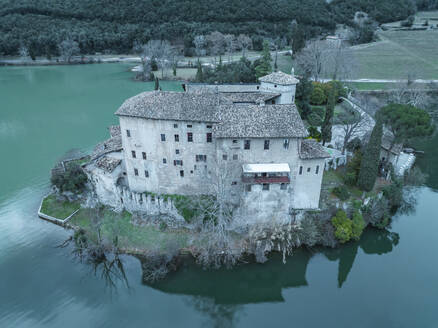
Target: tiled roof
107, 146
171, 105
114, 130
108, 164
310, 149
279, 78
255, 121
249, 97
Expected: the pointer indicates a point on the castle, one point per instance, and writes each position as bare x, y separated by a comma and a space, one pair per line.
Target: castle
246, 140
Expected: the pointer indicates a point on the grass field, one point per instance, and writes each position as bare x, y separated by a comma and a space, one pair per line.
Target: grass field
397, 54
58, 209
145, 237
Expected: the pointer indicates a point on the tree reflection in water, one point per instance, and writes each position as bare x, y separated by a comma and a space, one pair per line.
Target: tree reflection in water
254, 283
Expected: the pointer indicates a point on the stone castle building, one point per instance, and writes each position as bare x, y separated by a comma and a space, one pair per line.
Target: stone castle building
247, 140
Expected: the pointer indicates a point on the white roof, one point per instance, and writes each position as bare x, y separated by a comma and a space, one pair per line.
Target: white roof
266, 168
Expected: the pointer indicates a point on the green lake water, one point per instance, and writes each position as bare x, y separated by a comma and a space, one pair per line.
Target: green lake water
387, 279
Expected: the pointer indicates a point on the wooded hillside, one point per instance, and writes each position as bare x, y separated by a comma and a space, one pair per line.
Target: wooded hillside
113, 26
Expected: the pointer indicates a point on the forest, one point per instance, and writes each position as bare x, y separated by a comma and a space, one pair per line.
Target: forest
113, 26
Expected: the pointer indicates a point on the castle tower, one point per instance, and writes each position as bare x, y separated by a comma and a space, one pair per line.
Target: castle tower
282, 83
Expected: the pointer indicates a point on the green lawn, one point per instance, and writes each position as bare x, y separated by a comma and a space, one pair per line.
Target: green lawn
129, 235
58, 209
397, 54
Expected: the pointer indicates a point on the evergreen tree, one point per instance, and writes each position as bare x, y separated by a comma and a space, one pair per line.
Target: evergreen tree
326, 128
199, 75
369, 165
157, 84
264, 66
303, 93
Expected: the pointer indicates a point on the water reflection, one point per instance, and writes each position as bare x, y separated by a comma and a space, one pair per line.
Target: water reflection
255, 283
373, 241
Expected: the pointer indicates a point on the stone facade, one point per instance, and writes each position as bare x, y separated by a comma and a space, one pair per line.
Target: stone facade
202, 139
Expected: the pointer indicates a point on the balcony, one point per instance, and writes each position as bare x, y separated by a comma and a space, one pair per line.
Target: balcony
266, 173
265, 179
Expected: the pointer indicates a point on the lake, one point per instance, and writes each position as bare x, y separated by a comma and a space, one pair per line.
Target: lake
387, 279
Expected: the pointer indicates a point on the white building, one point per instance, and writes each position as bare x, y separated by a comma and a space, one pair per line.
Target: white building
251, 141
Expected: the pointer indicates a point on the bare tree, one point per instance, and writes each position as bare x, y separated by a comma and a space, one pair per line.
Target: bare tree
216, 44
159, 50
409, 93
24, 52
231, 44
352, 128
339, 63
67, 49
200, 42
321, 58
215, 213
311, 58
244, 42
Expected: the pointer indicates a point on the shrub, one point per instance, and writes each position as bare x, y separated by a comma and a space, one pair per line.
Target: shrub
314, 119
314, 133
343, 226
353, 168
358, 225
73, 179
341, 192
376, 211
318, 96
163, 226
319, 110
394, 194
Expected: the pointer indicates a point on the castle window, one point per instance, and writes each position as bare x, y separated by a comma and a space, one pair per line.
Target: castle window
133, 154
191, 171
258, 87
273, 102
286, 144
317, 169
235, 157
128, 133
176, 137
189, 126
247, 144
164, 161
235, 141
225, 157
266, 145
265, 186
248, 188
301, 170
209, 126
234, 183
175, 125
308, 169
201, 158
135, 172
163, 137
283, 186
178, 162
190, 137
209, 137
144, 155
181, 173
146, 174
177, 151
275, 85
